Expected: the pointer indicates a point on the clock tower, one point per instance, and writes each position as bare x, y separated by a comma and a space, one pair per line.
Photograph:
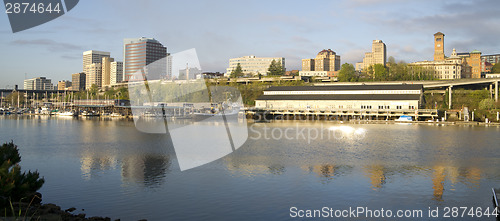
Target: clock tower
439, 46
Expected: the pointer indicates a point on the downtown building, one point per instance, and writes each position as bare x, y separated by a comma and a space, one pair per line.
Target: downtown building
378, 55
39, 83
252, 65
458, 65
116, 72
78, 81
63, 85
326, 64
144, 52
92, 67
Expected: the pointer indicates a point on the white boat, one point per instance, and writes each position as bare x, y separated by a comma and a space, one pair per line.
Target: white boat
90, 114
115, 115
66, 113
404, 118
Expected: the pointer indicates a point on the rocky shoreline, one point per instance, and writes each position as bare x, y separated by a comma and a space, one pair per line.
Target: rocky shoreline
35, 210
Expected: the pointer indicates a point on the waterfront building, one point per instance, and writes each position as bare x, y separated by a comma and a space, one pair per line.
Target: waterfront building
116, 72
326, 60
366, 98
79, 80
458, 65
93, 56
378, 55
93, 75
140, 52
252, 65
63, 85
38, 83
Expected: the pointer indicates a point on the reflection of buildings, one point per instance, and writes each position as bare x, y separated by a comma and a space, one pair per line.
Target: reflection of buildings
376, 174
149, 169
438, 177
93, 163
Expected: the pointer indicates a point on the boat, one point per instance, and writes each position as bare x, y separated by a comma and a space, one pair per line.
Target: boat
404, 118
66, 113
496, 196
228, 113
90, 114
115, 115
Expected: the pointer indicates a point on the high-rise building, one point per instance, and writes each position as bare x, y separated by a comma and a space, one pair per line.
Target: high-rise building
93, 56
439, 46
93, 75
106, 71
252, 65
378, 55
39, 83
79, 80
116, 72
326, 60
140, 52
63, 85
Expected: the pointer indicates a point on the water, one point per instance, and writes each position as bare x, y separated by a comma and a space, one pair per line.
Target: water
108, 168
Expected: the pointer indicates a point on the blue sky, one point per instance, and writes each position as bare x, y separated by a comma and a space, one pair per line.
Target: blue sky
220, 30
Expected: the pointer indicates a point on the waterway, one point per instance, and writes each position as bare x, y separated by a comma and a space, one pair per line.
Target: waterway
109, 168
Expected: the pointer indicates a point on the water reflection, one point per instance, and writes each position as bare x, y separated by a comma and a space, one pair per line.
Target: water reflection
150, 170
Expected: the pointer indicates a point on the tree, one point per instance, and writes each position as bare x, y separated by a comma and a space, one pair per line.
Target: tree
380, 72
487, 104
495, 68
347, 73
391, 60
275, 69
14, 185
237, 72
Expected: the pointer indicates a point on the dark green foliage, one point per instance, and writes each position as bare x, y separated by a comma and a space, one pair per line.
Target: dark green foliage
14, 185
237, 72
495, 68
275, 69
347, 73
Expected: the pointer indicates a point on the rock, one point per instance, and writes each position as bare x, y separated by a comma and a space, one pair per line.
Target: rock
70, 209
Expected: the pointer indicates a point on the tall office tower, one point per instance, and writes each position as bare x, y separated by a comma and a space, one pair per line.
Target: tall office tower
141, 52
93, 75
93, 56
79, 80
378, 55
326, 60
439, 46
116, 72
106, 71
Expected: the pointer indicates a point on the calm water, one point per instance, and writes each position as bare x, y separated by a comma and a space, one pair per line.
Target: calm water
108, 168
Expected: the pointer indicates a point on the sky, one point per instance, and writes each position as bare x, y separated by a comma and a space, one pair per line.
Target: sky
220, 30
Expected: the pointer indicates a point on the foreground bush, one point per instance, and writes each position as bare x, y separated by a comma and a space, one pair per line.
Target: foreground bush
14, 185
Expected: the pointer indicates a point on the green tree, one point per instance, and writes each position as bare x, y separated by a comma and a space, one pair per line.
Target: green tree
93, 90
14, 185
487, 104
495, 68
275, 69
347, 73
391, 60
237, 72
380, 72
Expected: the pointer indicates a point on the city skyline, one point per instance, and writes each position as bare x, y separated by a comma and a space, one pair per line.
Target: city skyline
221, 30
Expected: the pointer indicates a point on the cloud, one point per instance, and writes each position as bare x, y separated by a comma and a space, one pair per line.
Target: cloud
51, 45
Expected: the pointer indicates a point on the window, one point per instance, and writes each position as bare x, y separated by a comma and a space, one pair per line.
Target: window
399, 107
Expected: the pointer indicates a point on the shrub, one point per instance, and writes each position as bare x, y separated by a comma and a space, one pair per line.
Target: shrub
487, 104
14, 185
